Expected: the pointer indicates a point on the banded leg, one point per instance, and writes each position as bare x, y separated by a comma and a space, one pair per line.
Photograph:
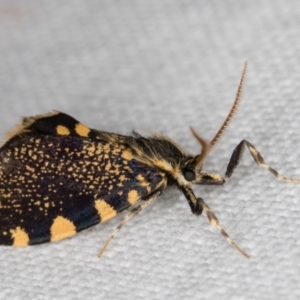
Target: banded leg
213, 220
237, 155
131, 214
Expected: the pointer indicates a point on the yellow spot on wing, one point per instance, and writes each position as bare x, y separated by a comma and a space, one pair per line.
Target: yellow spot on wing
62, 130
142, 180
61, 228
105, 210
20, 237
133, 197
82, 130
127, 154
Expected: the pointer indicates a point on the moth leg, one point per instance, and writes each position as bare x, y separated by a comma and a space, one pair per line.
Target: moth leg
131, 214
237, 155
213, 220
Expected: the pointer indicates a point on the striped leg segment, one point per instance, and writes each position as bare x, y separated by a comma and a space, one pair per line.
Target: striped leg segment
131, 214
237, 155
213, 220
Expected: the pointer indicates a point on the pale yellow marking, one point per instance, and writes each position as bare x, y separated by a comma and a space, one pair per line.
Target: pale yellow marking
213, 222
108, 166
163, 183
133, 197
8, 195
140, 177
116, 151
180, 178
62, 130
216, 177
122, 178
106, 147
142, 180
20, 237
164, 165
105, 211
91, 149
62, 228
82, 130
253, 151
127, 155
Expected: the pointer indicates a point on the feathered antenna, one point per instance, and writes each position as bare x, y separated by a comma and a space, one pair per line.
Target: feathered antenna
207, 146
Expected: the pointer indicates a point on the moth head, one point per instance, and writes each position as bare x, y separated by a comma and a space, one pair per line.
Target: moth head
191, 174
191, 167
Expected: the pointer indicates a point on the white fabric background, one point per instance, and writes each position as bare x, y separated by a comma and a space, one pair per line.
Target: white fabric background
165, 65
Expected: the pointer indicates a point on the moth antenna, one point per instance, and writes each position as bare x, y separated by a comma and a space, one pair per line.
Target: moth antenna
233, 108
205, 147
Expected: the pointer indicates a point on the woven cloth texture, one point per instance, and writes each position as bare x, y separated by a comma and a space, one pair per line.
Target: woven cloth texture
163, 66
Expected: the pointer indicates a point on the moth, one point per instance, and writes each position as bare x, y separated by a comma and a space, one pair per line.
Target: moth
58, 177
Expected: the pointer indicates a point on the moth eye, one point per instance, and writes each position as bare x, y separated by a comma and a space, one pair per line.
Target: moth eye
189, 175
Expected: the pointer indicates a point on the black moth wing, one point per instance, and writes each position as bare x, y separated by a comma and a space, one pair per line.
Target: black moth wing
58, 177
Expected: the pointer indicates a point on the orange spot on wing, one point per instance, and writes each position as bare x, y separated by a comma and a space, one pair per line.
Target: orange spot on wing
127, 154
62, 130
82, 130
133, 197
62, 228
105, 210
20, 237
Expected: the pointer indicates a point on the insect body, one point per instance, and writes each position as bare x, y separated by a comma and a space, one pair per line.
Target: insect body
58, 177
